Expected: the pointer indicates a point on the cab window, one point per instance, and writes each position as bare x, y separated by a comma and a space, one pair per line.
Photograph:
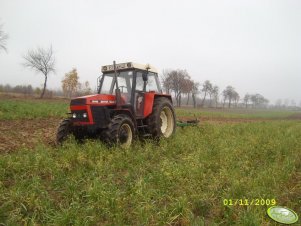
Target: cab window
151, 85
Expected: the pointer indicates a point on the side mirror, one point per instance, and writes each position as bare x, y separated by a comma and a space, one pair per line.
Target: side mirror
144, 77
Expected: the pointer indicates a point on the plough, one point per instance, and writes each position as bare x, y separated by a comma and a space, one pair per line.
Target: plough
182, 124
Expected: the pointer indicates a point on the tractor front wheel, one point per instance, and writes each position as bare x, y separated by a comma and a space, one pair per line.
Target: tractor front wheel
121, 131
162, 121
63, 131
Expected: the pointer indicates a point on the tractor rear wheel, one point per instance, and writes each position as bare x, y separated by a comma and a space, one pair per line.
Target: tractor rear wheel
64, 130
162, 121
121, 131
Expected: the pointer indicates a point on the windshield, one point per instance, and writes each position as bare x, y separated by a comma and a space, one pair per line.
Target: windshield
124, 79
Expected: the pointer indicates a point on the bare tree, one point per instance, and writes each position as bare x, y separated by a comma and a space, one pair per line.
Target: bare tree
207, 87
194, 92
235, 97
3, 38
229, 93
175, 80
211, 93
254, 100
166, 81
187, 88
258, 100
41, 60
247, 98
215, 94
225, 96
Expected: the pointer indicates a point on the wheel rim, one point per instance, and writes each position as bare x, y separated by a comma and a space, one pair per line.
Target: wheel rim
125, 135
167, 122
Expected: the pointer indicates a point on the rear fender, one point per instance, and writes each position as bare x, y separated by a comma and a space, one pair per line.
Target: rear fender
149, 102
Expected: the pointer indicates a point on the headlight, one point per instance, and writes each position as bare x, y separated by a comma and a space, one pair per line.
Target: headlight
85, 115
73, 115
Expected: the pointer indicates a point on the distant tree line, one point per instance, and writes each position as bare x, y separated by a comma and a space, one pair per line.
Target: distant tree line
179, 83
28, 90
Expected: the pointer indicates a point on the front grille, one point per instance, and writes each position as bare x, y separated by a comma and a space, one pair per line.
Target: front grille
101, 116
78, 101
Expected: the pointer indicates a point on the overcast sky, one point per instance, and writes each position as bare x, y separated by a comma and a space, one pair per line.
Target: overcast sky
253, 45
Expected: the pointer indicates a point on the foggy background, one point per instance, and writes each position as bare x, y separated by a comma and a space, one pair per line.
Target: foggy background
252, 45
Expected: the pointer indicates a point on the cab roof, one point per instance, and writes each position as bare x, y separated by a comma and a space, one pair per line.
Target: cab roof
128, 65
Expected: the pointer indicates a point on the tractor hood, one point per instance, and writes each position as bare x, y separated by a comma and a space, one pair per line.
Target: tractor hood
96, 99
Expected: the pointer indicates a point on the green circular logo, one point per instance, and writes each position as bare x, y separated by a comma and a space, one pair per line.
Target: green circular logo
282, 215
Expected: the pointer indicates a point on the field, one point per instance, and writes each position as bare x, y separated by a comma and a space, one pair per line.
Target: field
186, 180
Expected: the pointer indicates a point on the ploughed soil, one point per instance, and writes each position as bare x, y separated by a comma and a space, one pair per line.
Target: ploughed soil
15, 134
27, 133
295, 116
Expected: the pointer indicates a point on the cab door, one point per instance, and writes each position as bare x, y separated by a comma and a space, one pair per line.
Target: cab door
139, 95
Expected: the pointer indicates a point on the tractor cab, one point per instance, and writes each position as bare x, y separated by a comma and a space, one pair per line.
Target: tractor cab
134, 81
129, 102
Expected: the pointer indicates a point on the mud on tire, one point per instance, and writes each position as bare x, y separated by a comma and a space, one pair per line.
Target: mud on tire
162, 121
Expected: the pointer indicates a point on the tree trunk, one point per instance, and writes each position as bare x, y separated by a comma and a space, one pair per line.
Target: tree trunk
229, 103
204, 99
187, 99
176, 97
44, 88
193, 100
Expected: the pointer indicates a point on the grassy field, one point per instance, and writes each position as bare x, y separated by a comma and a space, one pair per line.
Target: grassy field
32, 108
25, 109
180, 181
235, 113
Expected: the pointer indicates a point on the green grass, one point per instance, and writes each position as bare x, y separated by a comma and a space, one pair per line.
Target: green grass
29, 109
180, 181
235, 113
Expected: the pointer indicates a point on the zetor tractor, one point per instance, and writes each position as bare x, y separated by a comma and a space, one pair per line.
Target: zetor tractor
129, 102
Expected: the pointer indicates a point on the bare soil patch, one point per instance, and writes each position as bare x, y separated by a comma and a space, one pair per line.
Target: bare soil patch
15, 134
296, 116
18, 96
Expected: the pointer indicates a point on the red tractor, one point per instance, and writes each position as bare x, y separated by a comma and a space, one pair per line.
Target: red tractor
129, 102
